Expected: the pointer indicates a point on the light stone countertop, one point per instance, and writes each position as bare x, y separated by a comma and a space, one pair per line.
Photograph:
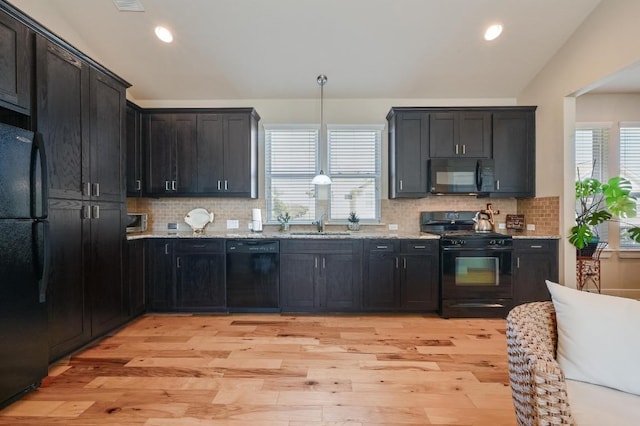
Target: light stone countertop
305, 235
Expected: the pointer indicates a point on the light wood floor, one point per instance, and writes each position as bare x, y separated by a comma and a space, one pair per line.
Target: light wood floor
281, 370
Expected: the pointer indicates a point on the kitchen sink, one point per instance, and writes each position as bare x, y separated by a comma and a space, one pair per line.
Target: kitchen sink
320, 233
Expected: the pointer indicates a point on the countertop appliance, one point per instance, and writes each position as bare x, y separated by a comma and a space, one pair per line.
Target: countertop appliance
136, 222
475, 267
24, 262
461, 176
253, 275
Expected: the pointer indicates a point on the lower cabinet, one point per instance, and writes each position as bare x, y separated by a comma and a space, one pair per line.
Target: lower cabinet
534, 261
186, 275
400, 275
85, 296
135, 278
320, 275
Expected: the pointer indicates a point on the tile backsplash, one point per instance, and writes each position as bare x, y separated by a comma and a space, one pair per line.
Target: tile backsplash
543, 212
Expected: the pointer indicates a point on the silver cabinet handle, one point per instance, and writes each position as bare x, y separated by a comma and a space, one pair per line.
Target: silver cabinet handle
316, 262
397, 265
166, 185
419, 247
178, 262
464, 149
95, 212
166, 248
226, 185
174, 185
84, 213
536, 246
138, 185
88, 190
400, 184
219, 185
324, 263
404, 263
96, 189
518, 262
457, 151
498, 184
381, 247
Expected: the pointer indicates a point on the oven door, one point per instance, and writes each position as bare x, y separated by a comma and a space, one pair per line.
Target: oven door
476, 273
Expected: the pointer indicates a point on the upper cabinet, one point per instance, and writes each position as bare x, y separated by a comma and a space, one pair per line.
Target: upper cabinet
212, 152
460, 134
135, 155
504, 134
16, 53
408, 153
514, 152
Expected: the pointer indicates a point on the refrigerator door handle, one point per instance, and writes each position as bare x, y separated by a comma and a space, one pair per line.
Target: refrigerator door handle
38, 152
42, 256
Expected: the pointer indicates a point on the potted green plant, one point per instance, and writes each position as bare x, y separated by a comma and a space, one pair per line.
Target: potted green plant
597, 203
354, 222
283, 219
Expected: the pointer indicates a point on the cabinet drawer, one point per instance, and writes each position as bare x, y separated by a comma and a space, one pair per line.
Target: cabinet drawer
534, 245
200, 246
381, 246
319, 246
419, 246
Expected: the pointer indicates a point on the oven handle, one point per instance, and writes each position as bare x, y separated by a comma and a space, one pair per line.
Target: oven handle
477, 249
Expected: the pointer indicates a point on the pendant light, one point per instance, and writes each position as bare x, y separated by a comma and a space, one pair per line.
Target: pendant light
321, 179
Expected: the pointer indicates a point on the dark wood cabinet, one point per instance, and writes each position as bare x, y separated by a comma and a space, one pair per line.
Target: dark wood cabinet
135, 154
104, 280
171, 156
200, 275
514, 152
107, 119
534, 261
160, 277
320, 275
62, 88
186, 275
201, 152
401, 275
135, 278
460, 134
16, 51
69, 315
408, 153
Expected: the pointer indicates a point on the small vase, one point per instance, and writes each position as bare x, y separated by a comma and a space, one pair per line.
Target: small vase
353, 226
284, 227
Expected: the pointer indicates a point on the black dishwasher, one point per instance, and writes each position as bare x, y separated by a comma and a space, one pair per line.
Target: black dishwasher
253, 275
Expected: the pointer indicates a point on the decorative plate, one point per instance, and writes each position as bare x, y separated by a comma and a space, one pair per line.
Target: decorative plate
197, 219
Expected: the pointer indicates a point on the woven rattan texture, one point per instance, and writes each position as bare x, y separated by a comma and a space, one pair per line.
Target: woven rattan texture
537, 383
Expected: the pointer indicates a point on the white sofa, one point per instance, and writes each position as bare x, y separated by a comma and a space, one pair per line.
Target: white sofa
542, 393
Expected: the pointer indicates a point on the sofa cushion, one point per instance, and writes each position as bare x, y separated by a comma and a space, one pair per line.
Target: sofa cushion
598, 338
599, 405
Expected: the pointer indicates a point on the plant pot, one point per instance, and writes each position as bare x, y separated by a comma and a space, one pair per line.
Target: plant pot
588, 250
353, 226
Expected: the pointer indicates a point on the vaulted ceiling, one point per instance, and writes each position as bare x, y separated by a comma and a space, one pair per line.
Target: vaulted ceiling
274, 49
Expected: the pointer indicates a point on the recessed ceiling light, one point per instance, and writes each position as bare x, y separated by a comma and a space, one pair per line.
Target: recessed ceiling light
493, 32
164, 34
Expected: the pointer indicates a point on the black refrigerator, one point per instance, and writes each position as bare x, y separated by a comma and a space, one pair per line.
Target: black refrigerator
24, 262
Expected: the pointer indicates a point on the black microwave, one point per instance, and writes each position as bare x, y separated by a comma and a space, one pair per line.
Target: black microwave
470, 176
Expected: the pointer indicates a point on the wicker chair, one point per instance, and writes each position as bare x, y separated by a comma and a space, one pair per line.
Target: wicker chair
537, 383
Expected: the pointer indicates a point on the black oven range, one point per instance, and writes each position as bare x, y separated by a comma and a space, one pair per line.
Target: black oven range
475, 267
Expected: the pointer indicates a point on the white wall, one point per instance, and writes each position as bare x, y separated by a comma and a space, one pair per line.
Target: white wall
604, 44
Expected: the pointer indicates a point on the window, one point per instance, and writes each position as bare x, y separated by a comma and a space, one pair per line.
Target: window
592, 159
630, 169
292, 160
354, 167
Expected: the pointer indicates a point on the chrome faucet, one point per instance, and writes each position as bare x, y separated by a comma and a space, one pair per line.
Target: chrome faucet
320, 222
